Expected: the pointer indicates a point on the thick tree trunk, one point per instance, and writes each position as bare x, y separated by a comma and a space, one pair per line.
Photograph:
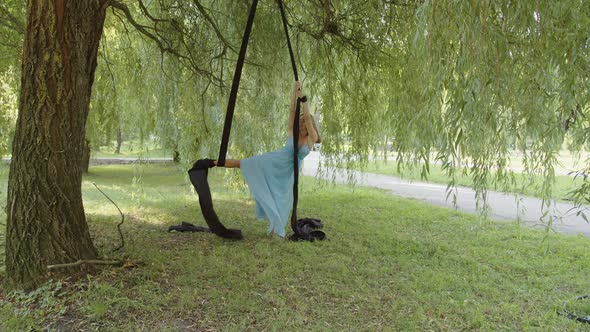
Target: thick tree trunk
119, 141
85, 161
46, 221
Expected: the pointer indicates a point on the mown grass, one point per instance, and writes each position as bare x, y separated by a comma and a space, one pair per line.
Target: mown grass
388, 264
520, 183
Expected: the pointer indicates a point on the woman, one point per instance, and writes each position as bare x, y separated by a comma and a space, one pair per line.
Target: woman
270, 176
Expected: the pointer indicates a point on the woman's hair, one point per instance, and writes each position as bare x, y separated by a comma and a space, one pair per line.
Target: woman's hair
316, 127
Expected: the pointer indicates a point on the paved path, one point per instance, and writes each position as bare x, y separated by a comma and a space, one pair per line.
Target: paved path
502, 207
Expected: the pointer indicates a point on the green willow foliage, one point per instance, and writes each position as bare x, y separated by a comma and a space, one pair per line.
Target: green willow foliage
124, 89
11, 27
8, 109
456, 82
502, 74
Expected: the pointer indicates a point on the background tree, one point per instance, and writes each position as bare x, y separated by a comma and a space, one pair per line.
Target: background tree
46, 221
12, 30
8, 105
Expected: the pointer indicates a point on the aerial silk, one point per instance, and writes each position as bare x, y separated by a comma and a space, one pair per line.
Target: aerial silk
198, 173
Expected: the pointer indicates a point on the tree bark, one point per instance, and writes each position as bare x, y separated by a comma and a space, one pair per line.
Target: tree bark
46, 221
119, 141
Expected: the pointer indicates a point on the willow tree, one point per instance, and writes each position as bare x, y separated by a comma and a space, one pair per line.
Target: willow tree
448, 80
46, 221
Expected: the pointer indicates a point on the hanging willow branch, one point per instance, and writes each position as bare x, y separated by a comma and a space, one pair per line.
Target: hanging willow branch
215, 27
122, 218
10, 21
165, 45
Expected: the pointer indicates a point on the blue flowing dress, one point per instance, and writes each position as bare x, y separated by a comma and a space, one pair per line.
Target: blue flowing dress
270, 179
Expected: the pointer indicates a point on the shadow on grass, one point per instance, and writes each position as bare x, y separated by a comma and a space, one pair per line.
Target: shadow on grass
135, 227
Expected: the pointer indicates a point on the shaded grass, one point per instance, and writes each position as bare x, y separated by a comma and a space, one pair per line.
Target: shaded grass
520, 183
388, 264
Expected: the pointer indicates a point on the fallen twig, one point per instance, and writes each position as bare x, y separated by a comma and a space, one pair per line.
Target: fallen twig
83, 261
122, 218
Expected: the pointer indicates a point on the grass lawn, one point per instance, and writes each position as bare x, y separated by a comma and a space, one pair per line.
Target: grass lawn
388, 264
523, 184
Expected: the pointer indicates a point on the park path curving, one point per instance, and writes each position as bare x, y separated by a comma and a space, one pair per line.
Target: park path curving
564, 217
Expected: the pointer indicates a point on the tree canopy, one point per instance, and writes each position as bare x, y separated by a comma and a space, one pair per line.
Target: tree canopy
442, 80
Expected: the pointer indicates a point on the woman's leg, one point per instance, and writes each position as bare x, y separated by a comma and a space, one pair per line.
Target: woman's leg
230, 163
